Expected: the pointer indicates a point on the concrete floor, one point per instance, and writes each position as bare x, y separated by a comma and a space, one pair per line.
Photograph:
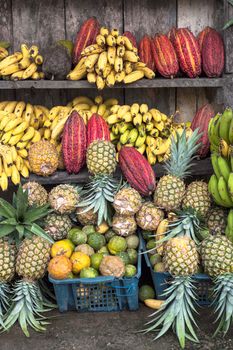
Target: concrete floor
110, 331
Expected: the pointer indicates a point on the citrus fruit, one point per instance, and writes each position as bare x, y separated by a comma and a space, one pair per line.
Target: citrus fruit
109, 234
117, 244
133, 256
104, 250
78, 236
71, 231
85, 248
79, 261
96, 260
154, 259
88, 229
102, 228
96, 241
60, 267
132, 241
159, 267
146, 292
112, 266
63, 247
124, 257
130, 270
88, 272
151, 244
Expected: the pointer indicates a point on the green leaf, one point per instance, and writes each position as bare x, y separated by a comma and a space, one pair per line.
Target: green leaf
35, 214
38, 231
5, 44
21, 203
228, 24
6, 209
6, 230
10, 221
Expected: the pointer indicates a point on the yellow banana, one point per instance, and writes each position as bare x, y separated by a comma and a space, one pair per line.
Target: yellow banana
7, 156
25, 171
91, 78
122, 110
17, 56
154, 303
110, 80
47, 134
42, 75
30, 71
5, 121
10, 107
17, 75
28, 134
29, 111
13, 68
99, 100
113, 119
131, 57
162, 148
6, 137
94, 109
149, 74
154, 132
124, 137
133, 76
56, 132
110, 40
19, 162
19, 108
77, 74
41, 131
3, 53
118, 64
160, 234
15, 139
25, 51
20, 128
149, 126
100, 40
111, 55
104, 31
91, 60
102, 109
39, 60
143, 108
26, 162
54, 112
4, 181
107, 70
13, 153
137, 120
120, 51
79, 107
110, 102
134, 109
22, 153
24, 63
13, 123
106, 114
100, 83
21, 144
127, 117
142, 149
159, 126
128, 67
150, 156
34, 51
7, 168
3, 105
36, 76
119, 77
115, 33
156, 115
36, 137
102, 61
140, 141
127, 43
114, 109
147, 117
15, 176
91, 49
82, 99
1, 166
44, 109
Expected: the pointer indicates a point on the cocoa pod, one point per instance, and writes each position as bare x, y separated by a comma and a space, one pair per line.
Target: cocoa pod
201, 120
137, 170
97, 129
202, 35
171, 34
188, 52
145, 51
165, 57
213, 59
74, 143
131, 37
85, 36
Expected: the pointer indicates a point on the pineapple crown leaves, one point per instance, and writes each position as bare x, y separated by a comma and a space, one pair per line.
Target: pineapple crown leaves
230, 22
182, 154
20, 220
27, 307
98, 195
176, 311
4, 301
223, 302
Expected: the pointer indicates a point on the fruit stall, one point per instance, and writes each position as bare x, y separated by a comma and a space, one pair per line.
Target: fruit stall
116, 160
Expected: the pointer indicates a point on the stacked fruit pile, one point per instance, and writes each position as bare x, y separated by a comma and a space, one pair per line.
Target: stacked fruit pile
110, 59
22, 65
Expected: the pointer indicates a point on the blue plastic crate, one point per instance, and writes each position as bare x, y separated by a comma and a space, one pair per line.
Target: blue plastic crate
104, 293
161, 281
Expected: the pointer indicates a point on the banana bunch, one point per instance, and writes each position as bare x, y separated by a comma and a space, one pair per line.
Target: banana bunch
57, 116
3, 49
220, 133
148, 130
22, 65
112, 59
229, 228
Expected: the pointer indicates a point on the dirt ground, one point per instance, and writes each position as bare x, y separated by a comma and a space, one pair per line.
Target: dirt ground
110, 331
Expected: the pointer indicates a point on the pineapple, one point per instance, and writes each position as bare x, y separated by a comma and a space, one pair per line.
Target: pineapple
197, 197
181, 261
101, 157
43, 158
86, 217
20, 220
99, 193
37, 194
149, 216
170, 190
217, 259
57, 226
63, 199
124, 225
217, 220
127, 201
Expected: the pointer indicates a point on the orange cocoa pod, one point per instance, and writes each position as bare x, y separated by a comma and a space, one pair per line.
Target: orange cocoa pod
145, 52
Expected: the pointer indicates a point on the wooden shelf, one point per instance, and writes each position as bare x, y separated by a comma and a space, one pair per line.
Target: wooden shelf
200, 168
141, 84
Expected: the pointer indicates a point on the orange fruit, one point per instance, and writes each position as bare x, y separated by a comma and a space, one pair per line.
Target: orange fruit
60, 267
80, 261
63, 247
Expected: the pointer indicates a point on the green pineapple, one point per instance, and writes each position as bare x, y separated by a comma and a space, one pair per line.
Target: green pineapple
98, 194
217, 220
22, 222
170, 190
181, 261
197, 197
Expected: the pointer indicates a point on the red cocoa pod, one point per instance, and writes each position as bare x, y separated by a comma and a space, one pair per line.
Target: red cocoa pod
171, 34
74, 143
145, 51
202, 35
165, 58
85, 36
201, 120
213, 59
137, 170
188, 52
132, 38
97, 129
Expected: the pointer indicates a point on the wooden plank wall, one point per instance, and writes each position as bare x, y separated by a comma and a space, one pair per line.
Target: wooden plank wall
45, 21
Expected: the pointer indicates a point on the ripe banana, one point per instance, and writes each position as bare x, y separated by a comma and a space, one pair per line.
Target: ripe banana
19, 108
10, 106
25, 51
223, 148
133, 135
104, 31
20, 128
154, 303
134, 109
15, 139
118, 64
160, 234
91, 60
29, 134
30, 71
34, 51
15, 176
13, 123
24, 63
140, 141
133, 76
100, 83
4, 181
16, 57
110, 80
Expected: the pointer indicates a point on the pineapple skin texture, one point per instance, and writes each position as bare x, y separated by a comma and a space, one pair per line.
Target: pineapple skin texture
63, 199
58, 226
37, 194
149, 217
43, 158
127, 202
197, 197
101, 157
7, 261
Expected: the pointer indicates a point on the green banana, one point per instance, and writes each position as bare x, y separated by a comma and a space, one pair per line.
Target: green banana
115, 129
229, 228
122, 127
224, 126
224, 167
213, 130
223, 191
230, 185
124, 137
132, 136
213, 190
140, 141
214, 161
142, 130
231, 132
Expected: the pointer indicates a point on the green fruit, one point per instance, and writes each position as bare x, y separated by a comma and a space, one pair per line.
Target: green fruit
85, 248
147, 235
117, 244
109, 234
104, 250
130, 270
154, 259
96, 241
146, 292
72, 231
124, 257
96, 260
159, 267
132, 241
151, 244
133, 256
88, 272
78, 236
88, 229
